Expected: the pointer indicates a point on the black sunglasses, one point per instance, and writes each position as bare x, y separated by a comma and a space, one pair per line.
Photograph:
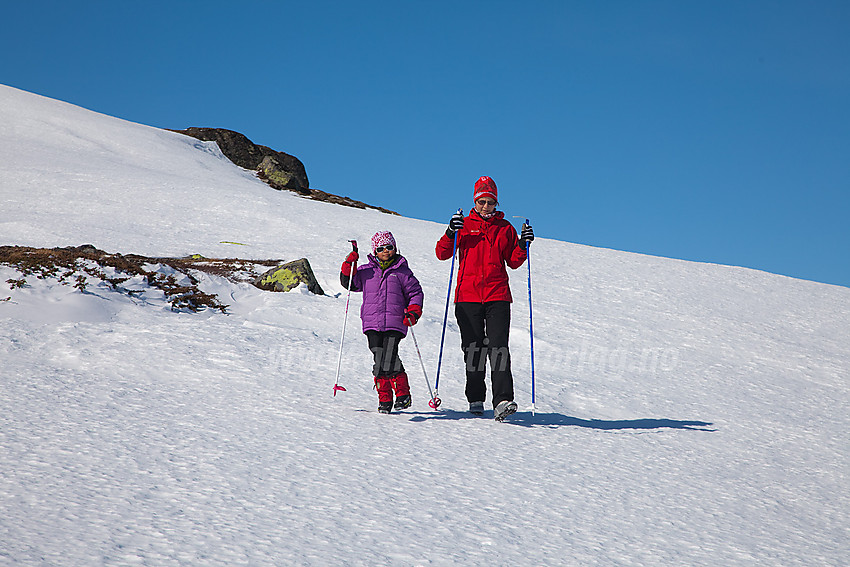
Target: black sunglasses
388, 248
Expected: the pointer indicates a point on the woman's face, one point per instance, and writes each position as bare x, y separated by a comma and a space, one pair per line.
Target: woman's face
485, 206
384, 253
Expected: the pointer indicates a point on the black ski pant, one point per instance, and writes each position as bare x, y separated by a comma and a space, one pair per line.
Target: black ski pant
484, 330
384, 347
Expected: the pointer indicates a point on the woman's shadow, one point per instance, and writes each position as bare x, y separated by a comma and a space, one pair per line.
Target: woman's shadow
555, 420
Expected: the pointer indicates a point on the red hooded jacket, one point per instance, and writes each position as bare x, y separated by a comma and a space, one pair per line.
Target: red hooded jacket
484, 247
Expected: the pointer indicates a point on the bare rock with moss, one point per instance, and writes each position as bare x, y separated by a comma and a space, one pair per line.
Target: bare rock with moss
288, 276
273, 172
245, 153
278, 170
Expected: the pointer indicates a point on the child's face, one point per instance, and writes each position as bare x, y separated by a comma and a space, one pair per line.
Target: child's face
384, 253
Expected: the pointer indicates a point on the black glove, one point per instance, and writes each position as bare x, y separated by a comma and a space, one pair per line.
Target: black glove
526, 235
455, 224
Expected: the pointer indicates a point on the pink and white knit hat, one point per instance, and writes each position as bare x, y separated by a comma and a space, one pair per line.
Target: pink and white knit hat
382, 238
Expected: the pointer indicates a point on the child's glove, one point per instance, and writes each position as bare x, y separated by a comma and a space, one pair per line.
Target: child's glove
350, 261
412, 314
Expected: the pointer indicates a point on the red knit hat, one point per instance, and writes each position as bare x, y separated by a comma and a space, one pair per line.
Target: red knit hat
485, 187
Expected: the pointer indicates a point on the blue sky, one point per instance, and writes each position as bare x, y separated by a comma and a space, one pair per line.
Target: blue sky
709, 131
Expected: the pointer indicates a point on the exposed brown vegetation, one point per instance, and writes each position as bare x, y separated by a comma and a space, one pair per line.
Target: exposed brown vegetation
76, 265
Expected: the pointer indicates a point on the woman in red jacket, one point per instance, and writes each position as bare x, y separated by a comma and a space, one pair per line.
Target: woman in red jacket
486, 243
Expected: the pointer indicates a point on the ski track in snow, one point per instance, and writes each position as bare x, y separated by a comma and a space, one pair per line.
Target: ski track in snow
687, 414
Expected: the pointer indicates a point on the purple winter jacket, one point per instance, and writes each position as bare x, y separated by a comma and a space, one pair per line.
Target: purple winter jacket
386, 294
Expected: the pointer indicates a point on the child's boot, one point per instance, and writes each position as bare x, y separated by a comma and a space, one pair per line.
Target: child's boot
384, 386
402, 391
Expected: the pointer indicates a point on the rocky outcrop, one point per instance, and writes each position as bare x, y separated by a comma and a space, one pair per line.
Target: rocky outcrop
273, 172
278, 169
289, 276
245, 153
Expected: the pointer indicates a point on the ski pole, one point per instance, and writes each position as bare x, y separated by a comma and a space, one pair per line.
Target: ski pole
530, 318
434, 402
337, 387
446, 315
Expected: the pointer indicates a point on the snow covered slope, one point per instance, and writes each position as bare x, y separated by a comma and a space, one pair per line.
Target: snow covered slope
687, 414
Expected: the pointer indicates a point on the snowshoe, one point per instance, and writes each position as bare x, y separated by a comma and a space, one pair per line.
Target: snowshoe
403, 402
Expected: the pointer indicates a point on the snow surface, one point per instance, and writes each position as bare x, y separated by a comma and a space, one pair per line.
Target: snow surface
687, 414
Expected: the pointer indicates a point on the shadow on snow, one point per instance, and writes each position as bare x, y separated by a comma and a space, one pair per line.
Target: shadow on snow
527, 419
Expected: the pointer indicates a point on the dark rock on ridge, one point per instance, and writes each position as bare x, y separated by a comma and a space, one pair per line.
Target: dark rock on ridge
278, 169
245, 153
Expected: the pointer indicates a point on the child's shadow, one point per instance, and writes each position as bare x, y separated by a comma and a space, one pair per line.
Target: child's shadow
555, 420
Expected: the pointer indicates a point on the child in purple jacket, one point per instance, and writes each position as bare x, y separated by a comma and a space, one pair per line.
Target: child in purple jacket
392, 301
